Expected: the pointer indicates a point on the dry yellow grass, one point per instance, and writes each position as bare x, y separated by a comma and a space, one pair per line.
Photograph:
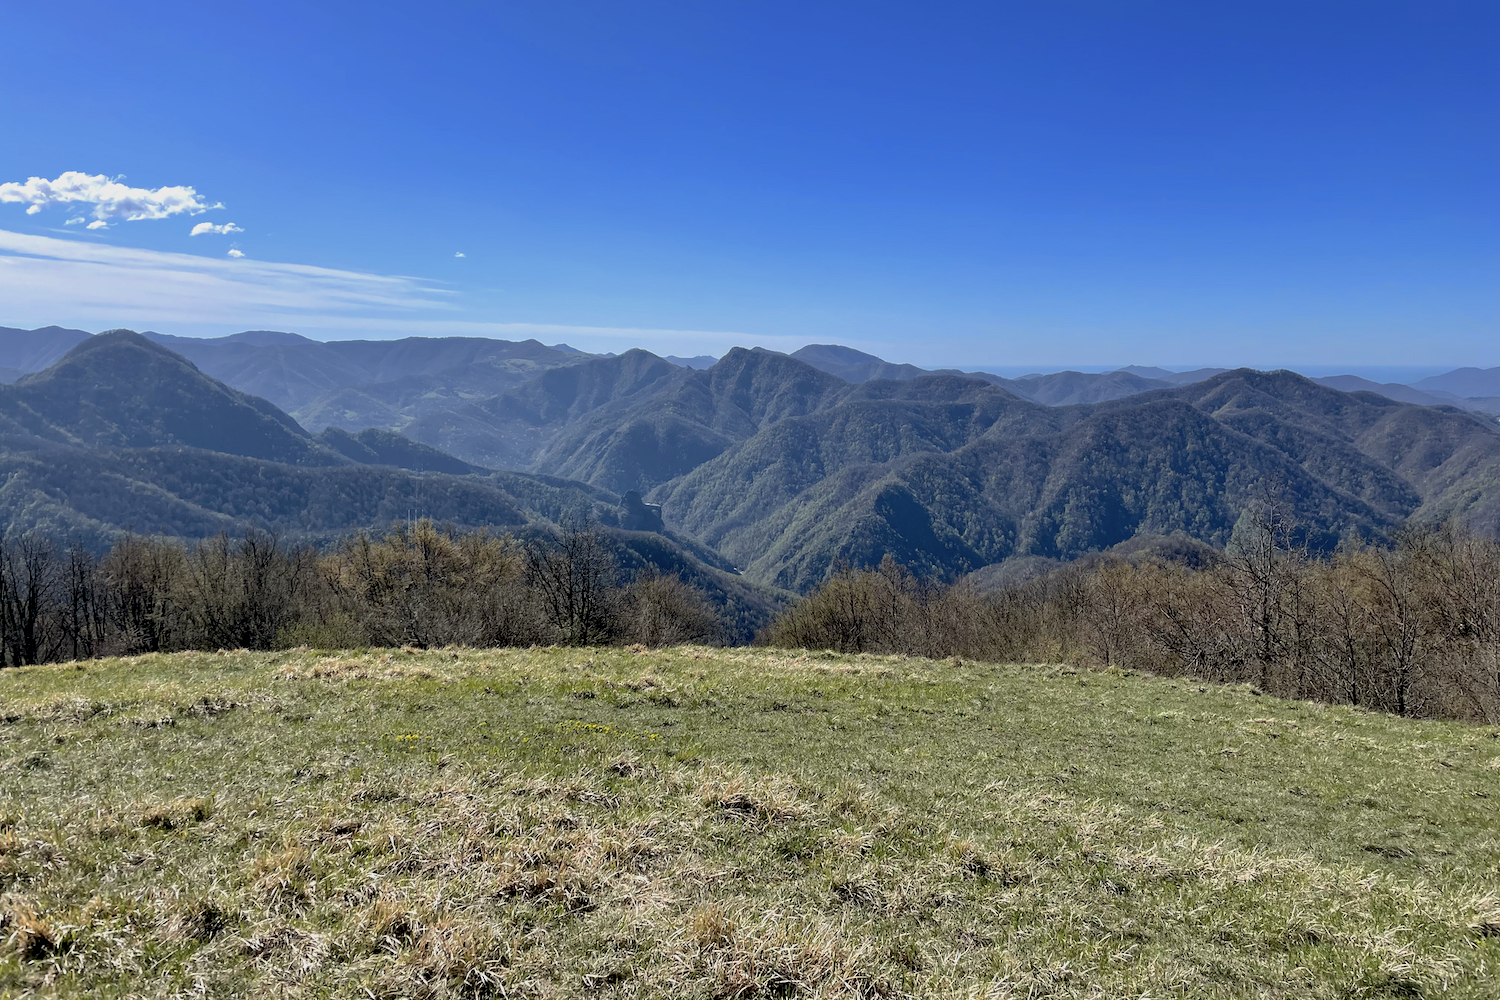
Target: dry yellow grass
697, 823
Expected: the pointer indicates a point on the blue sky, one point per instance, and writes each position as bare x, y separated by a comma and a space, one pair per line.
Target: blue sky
987, 184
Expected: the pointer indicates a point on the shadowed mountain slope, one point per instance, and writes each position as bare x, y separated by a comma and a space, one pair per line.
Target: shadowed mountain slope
120, 390
727, 501
693, 417
90, 497
775, 465
122, 435
512, 430
1442, 454
93, 494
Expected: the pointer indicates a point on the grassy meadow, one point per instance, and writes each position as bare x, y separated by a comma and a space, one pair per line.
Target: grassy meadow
727, 823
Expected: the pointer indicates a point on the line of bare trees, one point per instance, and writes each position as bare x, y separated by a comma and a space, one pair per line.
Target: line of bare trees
1412, 629
418, 585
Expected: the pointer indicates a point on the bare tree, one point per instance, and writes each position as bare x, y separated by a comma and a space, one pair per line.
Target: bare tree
143, 577
1264, 566
241, 595
662, 610
27, 593
575, 576
83, 616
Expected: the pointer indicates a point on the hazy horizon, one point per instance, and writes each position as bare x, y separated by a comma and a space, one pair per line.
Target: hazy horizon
1400, 374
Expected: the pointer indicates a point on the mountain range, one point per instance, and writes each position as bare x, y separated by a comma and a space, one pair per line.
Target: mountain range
123, 435
780, 465
357, 384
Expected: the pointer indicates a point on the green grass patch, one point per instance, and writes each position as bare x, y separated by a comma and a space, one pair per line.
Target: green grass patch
727, 823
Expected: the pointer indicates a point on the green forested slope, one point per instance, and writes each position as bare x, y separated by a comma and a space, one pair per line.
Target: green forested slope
123, 435
373, 446
1060, 482
92, 495
694, 416
1449, 458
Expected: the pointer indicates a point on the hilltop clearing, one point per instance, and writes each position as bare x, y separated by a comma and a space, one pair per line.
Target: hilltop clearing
700, 823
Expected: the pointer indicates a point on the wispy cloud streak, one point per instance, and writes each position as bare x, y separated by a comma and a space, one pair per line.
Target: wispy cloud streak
41, 274
45, 280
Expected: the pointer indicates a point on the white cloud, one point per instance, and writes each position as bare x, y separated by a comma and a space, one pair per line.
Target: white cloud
111, 198
208, 227
458, 255
97, 224
236, 253
76, 220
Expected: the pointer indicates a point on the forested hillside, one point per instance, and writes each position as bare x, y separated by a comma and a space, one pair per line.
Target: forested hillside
633, 421
1060, 482
759, 461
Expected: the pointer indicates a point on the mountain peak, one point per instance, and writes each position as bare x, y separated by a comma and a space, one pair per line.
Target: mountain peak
855, 366
834, 354
117, 344
121, 390
266, 338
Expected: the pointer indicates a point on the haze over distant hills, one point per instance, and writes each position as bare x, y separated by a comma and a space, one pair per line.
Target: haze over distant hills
782, 465
355, 384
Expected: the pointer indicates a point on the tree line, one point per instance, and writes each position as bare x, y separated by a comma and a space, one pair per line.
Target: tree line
1412, 628
419, 585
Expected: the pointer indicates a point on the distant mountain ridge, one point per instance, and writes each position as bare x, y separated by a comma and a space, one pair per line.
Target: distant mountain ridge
760, 460
1464, 383
294, 372
854, 366
1065, 388
631, 421
388, 384
32, 350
